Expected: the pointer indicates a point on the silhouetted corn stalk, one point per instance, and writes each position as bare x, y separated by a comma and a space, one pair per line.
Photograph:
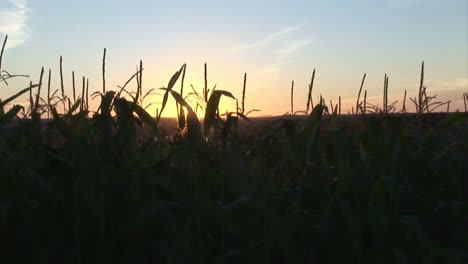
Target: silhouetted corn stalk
87, 96
404, 103
465, 101
104, 72
309, 96
243, 93
358, 105
122, 88
364, 109
205, 89
385, 93
83, 95
292, 98
61, 83
423, 103
138, 98
36, 105
48, 93
180, 108
182, 82
141, 81
31, 100
339, 105
1, 52
420, 105
73, 85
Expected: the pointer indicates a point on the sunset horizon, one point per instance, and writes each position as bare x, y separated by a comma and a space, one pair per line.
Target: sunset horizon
340, 45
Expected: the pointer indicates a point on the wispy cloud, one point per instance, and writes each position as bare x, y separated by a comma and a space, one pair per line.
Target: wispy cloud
292, 47
13, 22
282, 45
266, 40
271, 68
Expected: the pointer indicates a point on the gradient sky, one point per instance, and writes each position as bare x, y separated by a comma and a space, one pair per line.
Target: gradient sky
275, 42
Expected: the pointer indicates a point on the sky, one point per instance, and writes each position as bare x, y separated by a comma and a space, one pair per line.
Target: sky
274, 42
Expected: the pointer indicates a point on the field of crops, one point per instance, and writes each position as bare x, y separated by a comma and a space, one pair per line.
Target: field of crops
114, 186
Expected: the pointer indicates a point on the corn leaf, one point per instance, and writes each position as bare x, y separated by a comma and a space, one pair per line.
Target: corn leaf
74, 107
171, 83
61, 124
212, 106
5, 118
145, 116
11, 98
313, 118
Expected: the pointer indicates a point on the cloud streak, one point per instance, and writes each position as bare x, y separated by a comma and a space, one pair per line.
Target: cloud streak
293, 47
279, 44
266, 40
13, 22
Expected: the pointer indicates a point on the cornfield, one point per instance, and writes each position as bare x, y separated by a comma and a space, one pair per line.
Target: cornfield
321, 187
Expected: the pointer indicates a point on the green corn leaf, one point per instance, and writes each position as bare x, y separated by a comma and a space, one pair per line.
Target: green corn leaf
181, 101
212, 106
314, 118
194, 132
175, 77
241, 115
11, 98
5, 118
145, 116
61, 124
181, 118
74, 107
171, 83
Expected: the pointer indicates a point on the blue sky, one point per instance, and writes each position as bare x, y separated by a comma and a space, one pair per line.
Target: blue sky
275, 42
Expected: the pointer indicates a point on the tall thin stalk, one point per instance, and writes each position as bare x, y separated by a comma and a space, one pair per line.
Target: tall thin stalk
385, 95
1, 52
73, 84
309, 96
364, 109
339, 105
61, 83
292, 98
48, 93
359, 94
36, 106
465, 101
182, 82
420, 105
139, 78
82, 104
404, 103
104, 72
87, 97
205, 89
31, 100
180, 109
141, 81
243, 92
